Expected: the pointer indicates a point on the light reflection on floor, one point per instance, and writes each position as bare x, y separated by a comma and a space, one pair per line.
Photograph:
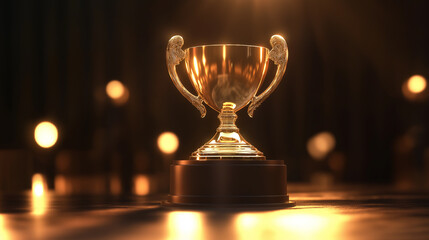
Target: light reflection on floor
185, 225
39, 195
295, 223
352, 214
4, 234
304, 223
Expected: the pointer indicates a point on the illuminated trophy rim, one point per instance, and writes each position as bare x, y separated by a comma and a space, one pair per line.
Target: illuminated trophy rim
227, 143
226, 44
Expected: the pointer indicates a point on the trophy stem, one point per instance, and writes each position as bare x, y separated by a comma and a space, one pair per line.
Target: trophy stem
227, 143
227, 119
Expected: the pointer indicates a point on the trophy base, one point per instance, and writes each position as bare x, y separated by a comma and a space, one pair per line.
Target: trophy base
229, 184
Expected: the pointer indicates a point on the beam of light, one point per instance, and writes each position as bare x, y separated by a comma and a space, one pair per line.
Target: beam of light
224, 52
4, 234
185, 226
46, 134
39, 198
141, 185
320, 145
118, 92
416, 84
196, 67
204, 56
168, 142
300, 224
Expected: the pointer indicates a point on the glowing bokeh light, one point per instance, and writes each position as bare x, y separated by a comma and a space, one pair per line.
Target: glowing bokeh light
141, 185
4, 234
320, 145
38, 185
39, 199
118, 92
46, 134
168, 142
115, 89
416, 84
185, 226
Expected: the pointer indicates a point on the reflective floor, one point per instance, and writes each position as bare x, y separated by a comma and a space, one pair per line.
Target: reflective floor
342, 213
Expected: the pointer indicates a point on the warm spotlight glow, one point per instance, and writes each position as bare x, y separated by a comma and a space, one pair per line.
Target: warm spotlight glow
141, 185
168, 142
320, 145
38, 185
224, 52
247, 220
4, 235
39, 200
117, 92
115, 89
291, 224
46, 134
416, 84
185, 226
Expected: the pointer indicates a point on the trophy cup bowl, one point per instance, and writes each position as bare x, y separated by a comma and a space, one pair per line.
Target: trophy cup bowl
226, 73
227, 170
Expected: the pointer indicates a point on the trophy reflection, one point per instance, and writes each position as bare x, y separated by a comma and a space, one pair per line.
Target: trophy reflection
227, 170
227, 78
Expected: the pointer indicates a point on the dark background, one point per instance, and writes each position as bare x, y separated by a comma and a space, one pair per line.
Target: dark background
348, 61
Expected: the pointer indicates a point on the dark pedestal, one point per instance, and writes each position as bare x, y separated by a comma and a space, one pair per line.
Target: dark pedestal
228, 183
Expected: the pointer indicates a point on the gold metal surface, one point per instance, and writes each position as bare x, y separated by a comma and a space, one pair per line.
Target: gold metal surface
226, 73
227, 77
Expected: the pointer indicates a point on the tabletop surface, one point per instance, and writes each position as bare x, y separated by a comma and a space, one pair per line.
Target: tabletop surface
347, 212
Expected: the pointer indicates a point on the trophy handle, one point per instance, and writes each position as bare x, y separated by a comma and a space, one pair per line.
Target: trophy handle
279, 54
175, 55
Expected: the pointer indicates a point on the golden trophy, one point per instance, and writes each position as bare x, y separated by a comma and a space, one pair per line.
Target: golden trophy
227, 170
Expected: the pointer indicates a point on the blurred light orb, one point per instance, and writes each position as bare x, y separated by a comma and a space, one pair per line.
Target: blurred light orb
38, 185
168, 142
39, 197
141, 185
416, 84
46, 134
320, 145
115, 89
118, 92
